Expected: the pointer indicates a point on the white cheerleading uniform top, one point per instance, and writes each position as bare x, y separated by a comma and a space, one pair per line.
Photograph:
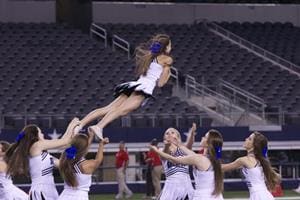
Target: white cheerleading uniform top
171, 169
204, 180
4, 181
84, 180
255, 179
8, 191
205, 185
41, 169
149, 81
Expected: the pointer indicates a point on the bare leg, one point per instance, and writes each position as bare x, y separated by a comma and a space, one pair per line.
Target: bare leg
99, 112
132, 102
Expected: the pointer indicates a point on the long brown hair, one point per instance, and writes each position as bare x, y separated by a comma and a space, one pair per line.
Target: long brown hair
260, 145
144, 56
215, 143
66, 165
17, 155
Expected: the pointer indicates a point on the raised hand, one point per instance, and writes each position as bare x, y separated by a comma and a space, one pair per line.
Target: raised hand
194, 129
105, 140
153, 148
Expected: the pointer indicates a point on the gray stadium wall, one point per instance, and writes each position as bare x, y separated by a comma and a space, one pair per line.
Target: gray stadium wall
27, 11
189, 13
108, 12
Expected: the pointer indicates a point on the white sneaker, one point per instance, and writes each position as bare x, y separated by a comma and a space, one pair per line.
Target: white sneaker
98, 131
127, 196
119, 196
77, 129
297, 190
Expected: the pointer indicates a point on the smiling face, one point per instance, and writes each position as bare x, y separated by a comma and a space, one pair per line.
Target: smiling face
248, 144
172, 133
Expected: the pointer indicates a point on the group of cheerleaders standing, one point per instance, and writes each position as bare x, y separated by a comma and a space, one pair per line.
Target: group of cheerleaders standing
28, 155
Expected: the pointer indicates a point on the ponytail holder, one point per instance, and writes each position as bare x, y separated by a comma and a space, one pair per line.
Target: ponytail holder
20, 136
155, 47
218, 151
71, 152
265, 152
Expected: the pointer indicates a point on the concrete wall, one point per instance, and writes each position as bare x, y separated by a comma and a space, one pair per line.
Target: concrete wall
188, 13
27, 11
44, 11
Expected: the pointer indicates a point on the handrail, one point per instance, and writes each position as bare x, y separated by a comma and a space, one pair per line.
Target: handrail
243, 96
121, 43
241, 91
247, 100
201, 89
295, 68
175, 74
153, 116
99, 31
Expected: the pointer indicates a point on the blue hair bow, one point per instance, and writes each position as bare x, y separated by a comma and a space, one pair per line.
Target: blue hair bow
71, 152
218, 151
20, 136
155, 47
265, 152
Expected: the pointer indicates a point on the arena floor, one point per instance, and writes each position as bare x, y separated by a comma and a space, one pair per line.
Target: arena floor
241, 195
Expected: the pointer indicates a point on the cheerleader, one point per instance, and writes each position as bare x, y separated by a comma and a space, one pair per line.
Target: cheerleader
206, 167
8, 191
153, 69
259, 175
29, 156
178, 182
76, 171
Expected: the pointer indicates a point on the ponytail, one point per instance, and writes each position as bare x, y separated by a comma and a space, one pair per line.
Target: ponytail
260, 144
17, 155
146, 52
215, 143
71, 156
66, 168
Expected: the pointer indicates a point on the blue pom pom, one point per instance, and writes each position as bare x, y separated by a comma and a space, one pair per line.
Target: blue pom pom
155, 47
71, 152
20, 136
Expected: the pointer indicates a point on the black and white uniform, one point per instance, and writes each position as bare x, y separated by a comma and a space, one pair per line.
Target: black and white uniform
255, 180
205, 185
42, 180
81, 191
178, 185
8, 191
145, 84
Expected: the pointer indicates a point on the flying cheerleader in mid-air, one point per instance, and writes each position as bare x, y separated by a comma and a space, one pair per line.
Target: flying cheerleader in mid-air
153, 69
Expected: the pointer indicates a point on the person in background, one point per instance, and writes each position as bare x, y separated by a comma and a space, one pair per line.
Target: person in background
156, 169
121, 165
149, 183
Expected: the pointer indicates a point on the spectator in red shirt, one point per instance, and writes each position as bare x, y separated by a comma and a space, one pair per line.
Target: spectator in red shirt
154, 160
121, 165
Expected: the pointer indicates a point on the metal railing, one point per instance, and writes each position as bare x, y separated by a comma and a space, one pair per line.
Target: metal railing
50, 120
122, 44
243, 98
175, 74
223, 105
99, 31
267, 54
